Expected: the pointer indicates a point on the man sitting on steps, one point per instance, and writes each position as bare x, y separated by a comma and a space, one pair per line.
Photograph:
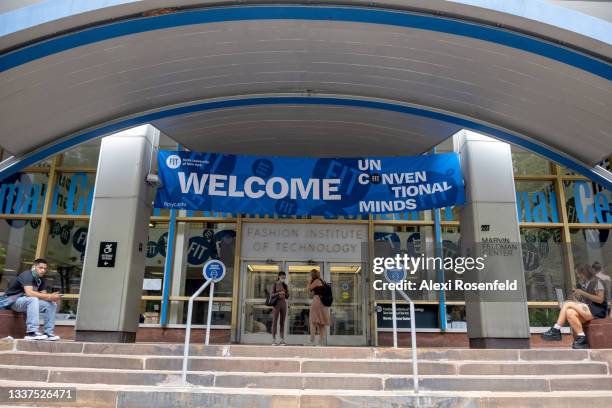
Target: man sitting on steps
31, 283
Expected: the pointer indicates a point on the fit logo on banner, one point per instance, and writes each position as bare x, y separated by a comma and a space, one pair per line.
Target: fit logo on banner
173, 162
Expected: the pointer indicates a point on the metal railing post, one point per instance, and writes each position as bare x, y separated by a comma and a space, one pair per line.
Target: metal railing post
415, 368
210, 306
394, 313
188, 331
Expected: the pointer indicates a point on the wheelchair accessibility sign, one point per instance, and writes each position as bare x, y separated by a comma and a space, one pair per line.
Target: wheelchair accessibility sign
214, 270
107, 254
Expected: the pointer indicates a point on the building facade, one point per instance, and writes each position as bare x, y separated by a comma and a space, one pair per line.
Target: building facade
564, 219
340, 79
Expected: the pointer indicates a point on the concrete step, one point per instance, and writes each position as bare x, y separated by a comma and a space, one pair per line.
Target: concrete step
240, 364
303, 365
71, 360
108, 396
147, 375
502, 383
308, 380
168, 349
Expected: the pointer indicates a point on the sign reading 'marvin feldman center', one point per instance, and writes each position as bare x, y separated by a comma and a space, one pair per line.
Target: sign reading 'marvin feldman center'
307, 186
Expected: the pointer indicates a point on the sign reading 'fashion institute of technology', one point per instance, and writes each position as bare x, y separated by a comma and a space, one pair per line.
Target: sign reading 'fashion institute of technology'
303, 242
307, 186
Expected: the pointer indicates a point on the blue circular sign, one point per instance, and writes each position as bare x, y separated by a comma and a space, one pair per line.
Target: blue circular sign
200, 249
79, 239
152, 249
214, 270
395, 275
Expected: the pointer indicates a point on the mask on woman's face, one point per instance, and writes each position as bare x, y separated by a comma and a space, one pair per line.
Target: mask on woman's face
282, 278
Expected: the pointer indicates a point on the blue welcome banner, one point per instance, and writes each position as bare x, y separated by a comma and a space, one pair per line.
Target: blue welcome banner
307, 186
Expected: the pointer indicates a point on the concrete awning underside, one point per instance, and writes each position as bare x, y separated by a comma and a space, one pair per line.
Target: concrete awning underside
559, 106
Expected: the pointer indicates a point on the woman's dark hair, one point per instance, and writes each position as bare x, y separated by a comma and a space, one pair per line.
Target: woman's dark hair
596, 266
586, 270
282, 273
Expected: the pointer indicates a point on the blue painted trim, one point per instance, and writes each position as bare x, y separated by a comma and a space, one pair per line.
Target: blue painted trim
168, 266
313, 13
307, 100
168, 269
439, 271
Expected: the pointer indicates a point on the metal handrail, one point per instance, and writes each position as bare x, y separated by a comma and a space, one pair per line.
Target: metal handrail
415, 368
188, 330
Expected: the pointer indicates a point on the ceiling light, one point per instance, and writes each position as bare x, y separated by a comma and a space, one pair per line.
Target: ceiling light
346, 269
303, 268
263, 268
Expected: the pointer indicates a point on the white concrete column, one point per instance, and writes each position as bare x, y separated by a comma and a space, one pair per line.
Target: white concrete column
109, 303
494, 320
179, 270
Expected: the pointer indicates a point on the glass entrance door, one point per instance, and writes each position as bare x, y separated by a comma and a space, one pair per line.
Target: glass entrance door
348, 312
298, 276
256, 322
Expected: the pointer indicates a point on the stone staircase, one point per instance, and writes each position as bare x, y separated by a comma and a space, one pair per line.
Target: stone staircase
148, 375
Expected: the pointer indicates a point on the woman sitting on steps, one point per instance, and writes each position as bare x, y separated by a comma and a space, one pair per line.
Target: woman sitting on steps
590, 303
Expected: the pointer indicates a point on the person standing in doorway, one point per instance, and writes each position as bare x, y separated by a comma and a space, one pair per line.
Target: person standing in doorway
279, 311
319, 314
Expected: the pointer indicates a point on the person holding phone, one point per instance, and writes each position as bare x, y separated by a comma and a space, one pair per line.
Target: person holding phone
318, 316
31, 297
279, 310
590, 303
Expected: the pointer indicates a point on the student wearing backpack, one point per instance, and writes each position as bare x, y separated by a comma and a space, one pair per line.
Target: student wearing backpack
319, 313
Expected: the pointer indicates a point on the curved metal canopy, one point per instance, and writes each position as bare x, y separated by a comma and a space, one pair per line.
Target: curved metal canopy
306, 130
552, 99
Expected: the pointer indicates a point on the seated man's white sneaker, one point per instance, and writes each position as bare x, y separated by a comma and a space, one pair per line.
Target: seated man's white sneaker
52, 337
35, 336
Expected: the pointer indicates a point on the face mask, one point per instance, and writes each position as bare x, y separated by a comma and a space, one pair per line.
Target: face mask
282, 279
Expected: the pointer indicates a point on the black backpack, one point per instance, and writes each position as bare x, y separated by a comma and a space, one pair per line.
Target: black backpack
272, 298
327, 297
